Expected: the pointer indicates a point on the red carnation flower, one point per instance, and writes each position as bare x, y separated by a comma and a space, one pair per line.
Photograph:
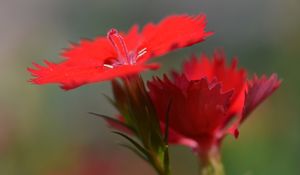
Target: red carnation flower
205, 98
121, 54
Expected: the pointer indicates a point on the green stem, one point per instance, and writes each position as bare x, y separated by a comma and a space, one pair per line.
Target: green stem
210, 163
160, 166
162, 170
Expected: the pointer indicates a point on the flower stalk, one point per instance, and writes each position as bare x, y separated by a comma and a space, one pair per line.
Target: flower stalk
210, 162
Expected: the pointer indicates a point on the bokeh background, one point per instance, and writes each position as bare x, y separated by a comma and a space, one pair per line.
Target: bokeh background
47, 131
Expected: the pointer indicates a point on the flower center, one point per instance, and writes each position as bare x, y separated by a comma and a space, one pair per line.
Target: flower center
125, 57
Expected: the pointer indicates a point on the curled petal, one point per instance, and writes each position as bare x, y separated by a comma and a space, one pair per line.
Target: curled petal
258, 90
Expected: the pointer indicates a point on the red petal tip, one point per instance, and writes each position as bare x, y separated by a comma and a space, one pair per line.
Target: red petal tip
236, 133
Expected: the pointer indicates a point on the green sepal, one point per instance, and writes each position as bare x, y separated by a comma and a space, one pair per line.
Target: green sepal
113, 120
166, 159
111, 100
135, 144
166, 134
121, 101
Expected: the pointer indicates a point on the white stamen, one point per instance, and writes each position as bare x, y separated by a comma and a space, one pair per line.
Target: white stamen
141, 53
143, 50
108, 66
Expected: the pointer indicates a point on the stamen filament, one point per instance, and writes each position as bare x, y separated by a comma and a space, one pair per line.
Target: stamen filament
108, 66
141, 53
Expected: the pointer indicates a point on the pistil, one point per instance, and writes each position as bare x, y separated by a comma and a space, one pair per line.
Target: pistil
117, 41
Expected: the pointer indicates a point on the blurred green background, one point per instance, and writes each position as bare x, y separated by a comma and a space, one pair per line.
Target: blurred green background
46, 131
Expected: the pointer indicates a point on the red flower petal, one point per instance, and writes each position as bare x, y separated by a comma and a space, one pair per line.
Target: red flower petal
72, 76
230, 77
174, 32
88, 50
198, 108
215, 69
102, 59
